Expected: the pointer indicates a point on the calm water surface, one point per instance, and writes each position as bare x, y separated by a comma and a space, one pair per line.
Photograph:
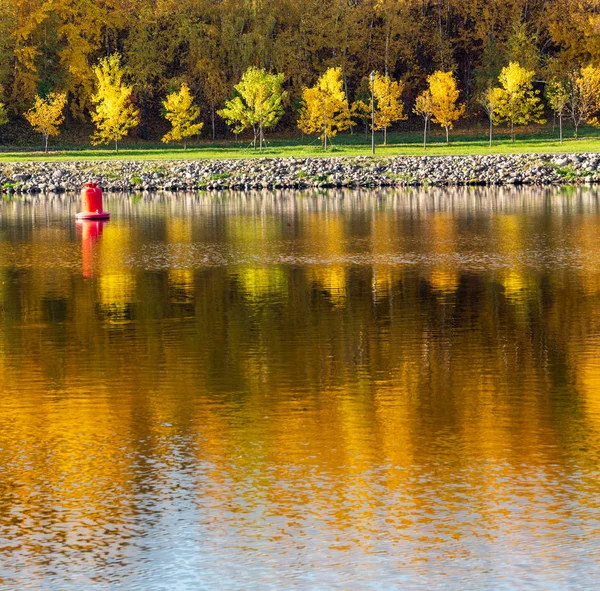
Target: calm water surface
395, 390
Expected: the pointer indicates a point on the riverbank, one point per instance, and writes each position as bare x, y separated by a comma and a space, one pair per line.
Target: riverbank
300, 173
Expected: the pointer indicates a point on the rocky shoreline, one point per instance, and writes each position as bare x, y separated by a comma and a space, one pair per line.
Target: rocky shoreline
300, 173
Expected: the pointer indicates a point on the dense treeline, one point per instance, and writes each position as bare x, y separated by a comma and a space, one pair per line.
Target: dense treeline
53, 45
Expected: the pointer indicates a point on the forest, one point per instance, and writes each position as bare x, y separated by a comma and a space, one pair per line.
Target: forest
51, 46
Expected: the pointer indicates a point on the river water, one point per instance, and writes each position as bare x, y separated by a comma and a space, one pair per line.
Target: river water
359, 390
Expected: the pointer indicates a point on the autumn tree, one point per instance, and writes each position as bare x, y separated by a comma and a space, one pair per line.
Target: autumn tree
519, 103
558, 98
324, 109
182, 114
489, 101
583, 103
424, 108
47, 114
114, 115
258, 103
3, 114
388, 102
361, 107
444, 97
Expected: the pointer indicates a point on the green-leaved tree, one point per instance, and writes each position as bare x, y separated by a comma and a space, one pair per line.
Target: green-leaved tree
557, 94
258, 103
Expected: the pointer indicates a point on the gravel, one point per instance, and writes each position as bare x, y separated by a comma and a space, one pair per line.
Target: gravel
301, 173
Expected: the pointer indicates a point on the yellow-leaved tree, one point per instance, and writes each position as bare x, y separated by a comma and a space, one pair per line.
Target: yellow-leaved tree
388, 102
47, 114
324, 108
258, 103
444, 96
424, 108
558, 99
584, 96
114, 115
519, 103
489, 101
181, 112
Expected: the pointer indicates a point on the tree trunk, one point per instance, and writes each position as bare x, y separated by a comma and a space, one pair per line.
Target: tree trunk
512, 132
46, 143
387, 48
425, 135
144, 119
260, 134
447, 140
576, 130
491, 131
325, 127
212, 114
185, 145
385, 136
560, 127
116, 146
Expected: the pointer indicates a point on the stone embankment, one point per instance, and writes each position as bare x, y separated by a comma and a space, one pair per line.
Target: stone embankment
300, 173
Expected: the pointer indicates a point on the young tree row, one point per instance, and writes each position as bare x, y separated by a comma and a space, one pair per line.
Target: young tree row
325, 110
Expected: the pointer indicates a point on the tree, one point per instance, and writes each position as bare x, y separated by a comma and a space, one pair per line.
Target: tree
3, 114
47, 114
324, 107
114, 114
424, 108
182, 113
583, 88
518, 103
558, 99
489, 101
258, 103
444, 95
388, 102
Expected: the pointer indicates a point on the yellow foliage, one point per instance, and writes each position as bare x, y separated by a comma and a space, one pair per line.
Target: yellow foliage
489, 100
324, 107
518, 103
388, 101
47, 114
444, 95
114, 114
588, 94
424, 107
181, 112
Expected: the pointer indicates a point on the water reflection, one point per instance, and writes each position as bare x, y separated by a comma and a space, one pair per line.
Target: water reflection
298, 390
91, 232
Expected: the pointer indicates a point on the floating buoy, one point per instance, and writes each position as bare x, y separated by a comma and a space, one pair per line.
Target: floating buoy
91, 194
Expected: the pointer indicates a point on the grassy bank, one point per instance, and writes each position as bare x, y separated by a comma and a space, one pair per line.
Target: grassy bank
344, 145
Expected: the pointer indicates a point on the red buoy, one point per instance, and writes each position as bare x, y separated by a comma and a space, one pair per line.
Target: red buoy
91, 195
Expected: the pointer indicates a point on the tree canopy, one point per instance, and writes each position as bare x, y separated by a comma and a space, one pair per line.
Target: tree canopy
258, 103
324, 108
114, 114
